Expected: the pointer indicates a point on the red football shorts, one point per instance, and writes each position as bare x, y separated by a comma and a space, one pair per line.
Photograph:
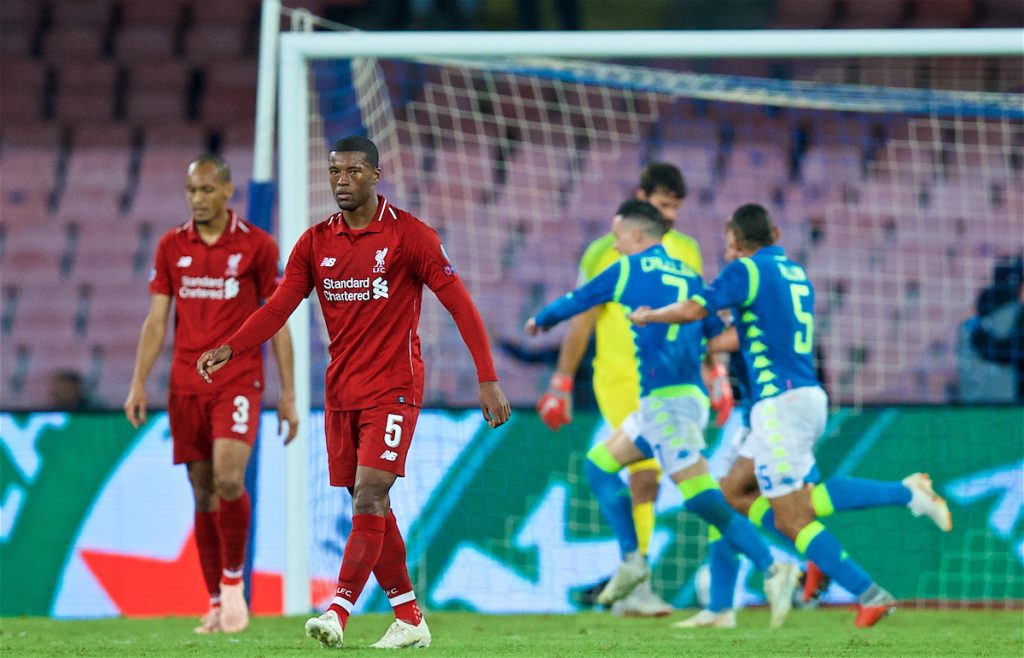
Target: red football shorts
197, 420
378, 437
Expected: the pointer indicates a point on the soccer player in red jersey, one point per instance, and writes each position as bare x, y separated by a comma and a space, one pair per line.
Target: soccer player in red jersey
368, 265
216, 267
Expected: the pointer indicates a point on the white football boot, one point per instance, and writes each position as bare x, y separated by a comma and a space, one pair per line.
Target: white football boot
642, 602
632, 571
925, 502
327, 629
708, 619
402, 635
780, 582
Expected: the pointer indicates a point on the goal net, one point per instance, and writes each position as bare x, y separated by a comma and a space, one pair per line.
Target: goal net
899, 183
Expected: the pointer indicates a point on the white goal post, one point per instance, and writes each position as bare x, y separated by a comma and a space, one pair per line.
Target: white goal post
296, 50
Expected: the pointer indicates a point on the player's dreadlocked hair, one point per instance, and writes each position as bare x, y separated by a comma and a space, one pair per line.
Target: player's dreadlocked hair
752, 226
358, 144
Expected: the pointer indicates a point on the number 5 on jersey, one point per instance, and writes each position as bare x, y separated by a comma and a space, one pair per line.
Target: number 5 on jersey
393, 430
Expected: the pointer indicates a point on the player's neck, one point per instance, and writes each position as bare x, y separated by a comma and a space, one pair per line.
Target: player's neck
209, 232
361, 217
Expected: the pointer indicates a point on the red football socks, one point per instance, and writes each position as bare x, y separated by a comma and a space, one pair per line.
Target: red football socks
233, 524
393, 574
208, 543
362, 550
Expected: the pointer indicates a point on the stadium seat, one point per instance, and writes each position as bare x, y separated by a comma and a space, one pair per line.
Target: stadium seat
208, 43
804, 14
157, 92
1001, 13
145, 42
872, 14
65, 43
229, 94
86, 92
929, 14
94, 15
166, 13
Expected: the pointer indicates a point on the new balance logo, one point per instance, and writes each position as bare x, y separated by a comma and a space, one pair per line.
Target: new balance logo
184, 261
389, 455
380, 288
328, 262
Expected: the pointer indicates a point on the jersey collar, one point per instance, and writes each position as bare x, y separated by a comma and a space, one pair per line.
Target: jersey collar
235, 225
384, 209
773, 250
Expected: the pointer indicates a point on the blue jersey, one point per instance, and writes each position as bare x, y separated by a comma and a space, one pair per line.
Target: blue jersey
774, 308
667, 355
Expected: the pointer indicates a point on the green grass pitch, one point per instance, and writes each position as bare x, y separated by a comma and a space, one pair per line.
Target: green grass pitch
807, 633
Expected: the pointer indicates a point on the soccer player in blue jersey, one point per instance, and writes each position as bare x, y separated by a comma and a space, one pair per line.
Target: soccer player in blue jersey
733, 465
774, 302
669, 423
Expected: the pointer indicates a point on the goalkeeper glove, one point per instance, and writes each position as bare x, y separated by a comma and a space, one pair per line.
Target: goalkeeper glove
555, 406
722, 399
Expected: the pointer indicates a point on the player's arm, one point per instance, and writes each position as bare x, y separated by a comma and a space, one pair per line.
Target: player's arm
555, 406
281, 342
256, 330
454, 297
720, 340
675, 313
735, 287
269, 318
151, 341
598, 290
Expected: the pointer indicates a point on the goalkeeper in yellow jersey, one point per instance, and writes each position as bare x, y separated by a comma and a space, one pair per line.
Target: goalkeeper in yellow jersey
616, 379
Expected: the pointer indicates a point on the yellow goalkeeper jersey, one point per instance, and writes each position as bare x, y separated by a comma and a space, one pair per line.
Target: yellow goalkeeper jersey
616, 378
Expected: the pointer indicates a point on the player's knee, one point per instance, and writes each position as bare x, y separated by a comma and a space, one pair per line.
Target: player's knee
205, 497
229, 485
370, 498
643, 486
790, 522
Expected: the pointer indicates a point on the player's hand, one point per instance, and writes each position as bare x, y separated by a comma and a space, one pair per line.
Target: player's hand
641, 316
494, 404
135, 405
555, 406
286, 414
213, 360
722, 399
532, 328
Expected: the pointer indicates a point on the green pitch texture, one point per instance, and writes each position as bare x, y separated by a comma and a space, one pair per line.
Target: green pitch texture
807, 633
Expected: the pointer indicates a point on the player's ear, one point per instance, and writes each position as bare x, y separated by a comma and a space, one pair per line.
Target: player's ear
775, 234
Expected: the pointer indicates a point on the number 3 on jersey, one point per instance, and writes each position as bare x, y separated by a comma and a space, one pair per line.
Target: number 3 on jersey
802, 341
393, 431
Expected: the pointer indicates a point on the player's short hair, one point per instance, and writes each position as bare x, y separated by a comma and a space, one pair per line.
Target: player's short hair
752, 226
358, 144
217, 162
662, 175
646, 215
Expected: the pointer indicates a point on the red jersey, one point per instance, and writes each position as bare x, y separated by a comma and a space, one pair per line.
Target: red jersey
215, 288
370, 284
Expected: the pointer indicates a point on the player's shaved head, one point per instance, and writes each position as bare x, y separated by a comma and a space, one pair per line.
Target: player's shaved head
215, 161
665, 177
644, 215
752, 227
358, 144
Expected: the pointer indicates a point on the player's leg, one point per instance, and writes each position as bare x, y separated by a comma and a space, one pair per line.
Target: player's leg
200, 476
604, 461
234, 512
786, 429
391, 570
234, 421
739, 488
188, 416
